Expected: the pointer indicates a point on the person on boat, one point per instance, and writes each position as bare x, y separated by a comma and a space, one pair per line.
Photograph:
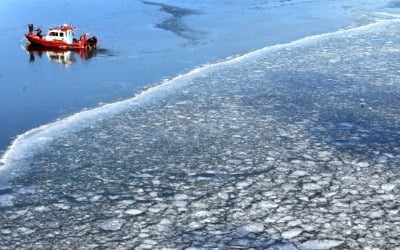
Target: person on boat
39, 32
92, 42
30, 27
83, 39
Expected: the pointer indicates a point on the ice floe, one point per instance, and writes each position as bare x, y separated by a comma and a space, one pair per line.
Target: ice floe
321, 244
111, 224
6, 200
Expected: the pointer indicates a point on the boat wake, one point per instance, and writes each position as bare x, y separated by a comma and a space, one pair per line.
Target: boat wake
16, 158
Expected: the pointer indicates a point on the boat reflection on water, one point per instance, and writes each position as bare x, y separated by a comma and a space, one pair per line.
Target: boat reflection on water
65, 57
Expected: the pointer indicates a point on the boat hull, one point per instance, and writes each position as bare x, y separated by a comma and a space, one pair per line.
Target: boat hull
42, 42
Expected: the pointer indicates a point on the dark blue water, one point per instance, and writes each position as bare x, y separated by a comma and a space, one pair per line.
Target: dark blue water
141, 43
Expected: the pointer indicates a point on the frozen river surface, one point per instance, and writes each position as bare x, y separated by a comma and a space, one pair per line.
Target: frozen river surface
294, 146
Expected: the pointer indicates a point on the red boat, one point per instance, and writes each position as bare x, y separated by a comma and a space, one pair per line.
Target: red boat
61, 37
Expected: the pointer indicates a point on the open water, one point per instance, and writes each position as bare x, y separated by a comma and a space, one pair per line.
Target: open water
291, 146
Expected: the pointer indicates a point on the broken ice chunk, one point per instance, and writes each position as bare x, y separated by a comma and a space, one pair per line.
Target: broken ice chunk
111, 224
321, 244
376, 214
201, 213
388, 187
299, 173
42, 209
291, 233
362, 164
254, 228
311, 186
6, 200
181, 197
265, 205
61, 206
134, 212
223, 195
195, 225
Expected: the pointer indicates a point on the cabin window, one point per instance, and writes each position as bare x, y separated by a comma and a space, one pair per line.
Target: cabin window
53, 33
61, 34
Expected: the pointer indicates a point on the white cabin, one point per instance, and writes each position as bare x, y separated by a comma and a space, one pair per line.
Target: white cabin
64, 33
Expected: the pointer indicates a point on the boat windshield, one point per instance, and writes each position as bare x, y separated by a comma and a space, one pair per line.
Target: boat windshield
53, 33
